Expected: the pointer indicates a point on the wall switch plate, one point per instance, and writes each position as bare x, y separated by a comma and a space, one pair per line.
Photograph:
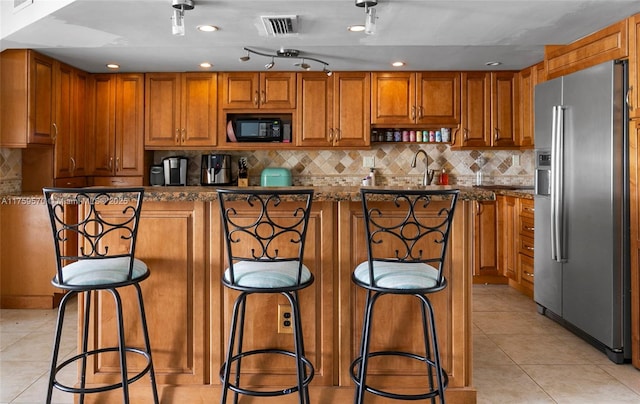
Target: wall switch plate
369, 162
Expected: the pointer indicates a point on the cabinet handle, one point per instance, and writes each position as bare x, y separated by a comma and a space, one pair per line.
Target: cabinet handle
466, 134
337, 137
73, 166
420, 112
529, 274
413, 112
455, 135
263, 99
529, 228
628, 98
118, 164
478, 212
330, 135
255, 99
496, 134
177, 135
183, 132
528, 248
55, 131
110, 163
529, 209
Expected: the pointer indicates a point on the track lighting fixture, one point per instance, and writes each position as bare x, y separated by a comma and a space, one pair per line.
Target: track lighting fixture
370, 12
287, 54
177, 20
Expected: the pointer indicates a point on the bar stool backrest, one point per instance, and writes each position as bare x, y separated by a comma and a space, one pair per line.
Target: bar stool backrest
265, 225
100, 233
408, 227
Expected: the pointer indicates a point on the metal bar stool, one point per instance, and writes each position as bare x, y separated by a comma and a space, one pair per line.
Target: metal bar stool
102, 260
265, 232
406, 246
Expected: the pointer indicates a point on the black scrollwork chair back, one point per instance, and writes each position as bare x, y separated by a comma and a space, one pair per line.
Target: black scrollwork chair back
94, 233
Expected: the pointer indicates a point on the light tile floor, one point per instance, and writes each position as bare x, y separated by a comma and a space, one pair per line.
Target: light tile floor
519, 356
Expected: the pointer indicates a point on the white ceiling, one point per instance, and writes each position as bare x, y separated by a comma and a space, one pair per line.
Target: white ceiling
426, 34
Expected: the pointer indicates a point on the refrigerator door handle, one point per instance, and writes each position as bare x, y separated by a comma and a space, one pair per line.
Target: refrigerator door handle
557, 194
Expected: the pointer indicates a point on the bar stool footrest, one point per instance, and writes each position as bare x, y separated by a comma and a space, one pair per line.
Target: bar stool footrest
422, 396
100, 389
270, 393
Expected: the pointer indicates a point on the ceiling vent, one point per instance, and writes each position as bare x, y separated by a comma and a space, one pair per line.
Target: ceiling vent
280, 25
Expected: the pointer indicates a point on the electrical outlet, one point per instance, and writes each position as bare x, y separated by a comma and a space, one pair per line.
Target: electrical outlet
285, 319
369, 162
515, 160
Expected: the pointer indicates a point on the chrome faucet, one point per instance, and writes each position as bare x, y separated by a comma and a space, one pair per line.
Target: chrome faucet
428, 174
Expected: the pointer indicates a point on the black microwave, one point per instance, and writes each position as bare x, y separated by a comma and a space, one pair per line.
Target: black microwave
258, 129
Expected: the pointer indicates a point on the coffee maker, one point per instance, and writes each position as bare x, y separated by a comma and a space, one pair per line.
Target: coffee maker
215, 169
175, 171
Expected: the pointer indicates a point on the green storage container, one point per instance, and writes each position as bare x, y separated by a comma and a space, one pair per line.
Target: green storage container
275, 177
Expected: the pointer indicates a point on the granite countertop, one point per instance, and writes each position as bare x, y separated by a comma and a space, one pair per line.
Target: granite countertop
322, 193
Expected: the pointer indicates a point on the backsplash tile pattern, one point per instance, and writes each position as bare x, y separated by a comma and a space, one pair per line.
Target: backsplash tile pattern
392, 163
342, 167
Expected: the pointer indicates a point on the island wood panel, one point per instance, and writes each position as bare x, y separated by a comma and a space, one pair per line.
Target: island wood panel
171, 241
634, 202
396, 320
261, 323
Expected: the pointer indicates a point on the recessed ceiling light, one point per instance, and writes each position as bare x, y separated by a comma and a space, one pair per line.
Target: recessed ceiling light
355, 28
397, 64
113, 66
205, 64
495, 63
207, 28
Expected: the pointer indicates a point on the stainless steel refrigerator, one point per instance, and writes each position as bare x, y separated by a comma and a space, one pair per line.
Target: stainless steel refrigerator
581, 256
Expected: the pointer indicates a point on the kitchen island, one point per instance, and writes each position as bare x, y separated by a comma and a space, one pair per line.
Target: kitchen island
188, 309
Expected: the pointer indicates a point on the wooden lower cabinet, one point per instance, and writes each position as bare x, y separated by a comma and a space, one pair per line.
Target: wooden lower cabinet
485, 244
189, 310
515, 241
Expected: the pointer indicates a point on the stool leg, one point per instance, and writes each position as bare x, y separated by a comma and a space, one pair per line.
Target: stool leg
121, 346
365, 341
427, 345
56, 344
85, 342
298, 340
145, 331
243, 310
436, 349
232, 336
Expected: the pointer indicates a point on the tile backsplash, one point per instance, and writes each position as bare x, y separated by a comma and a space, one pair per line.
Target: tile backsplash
344, 167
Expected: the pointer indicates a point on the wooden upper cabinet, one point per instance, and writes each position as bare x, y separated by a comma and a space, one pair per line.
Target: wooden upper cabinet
27, 79
490, 116
528, 78
504, 109
474, 130
180, 110
117, 135
333, 111
70, 119
634, 67
258, 90
409, 98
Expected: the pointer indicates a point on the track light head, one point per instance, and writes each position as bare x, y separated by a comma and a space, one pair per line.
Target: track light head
269, 65
286, 54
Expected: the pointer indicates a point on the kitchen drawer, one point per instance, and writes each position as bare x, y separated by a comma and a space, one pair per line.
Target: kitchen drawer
526, 226
526, 246
70, 182
525, 270
117, 181
526, 208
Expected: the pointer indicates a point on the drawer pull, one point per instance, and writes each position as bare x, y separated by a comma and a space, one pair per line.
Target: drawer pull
528, 248
529, 228
529, 274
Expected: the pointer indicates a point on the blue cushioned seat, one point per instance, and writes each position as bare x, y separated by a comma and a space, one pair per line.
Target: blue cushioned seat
398, 275
102, 271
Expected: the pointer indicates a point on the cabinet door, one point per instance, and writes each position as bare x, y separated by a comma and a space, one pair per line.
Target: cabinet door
476, 111
527, 83
634, 208
634, 66
393, 98
162, 109
102, 148
485, 265
240, 90
80, 123
314, 109
129, 124
198, 111
504, 109
507, 240
42, 99
277, 90
63, 164
438, 95
352, 109
174, 297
